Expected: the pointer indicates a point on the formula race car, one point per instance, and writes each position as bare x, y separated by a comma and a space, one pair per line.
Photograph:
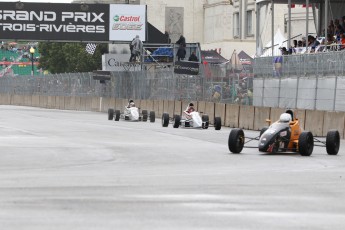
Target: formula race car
285, 135
196, 121
131, 114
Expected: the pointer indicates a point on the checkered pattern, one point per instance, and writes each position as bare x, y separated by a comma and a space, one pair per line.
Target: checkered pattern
90, 48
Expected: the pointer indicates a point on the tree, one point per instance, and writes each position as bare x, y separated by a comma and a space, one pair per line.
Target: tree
69, 57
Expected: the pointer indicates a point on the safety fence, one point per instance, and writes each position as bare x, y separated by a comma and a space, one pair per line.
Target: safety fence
304, 81
214, 83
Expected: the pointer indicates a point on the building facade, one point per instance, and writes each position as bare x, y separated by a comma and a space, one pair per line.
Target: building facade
222, 25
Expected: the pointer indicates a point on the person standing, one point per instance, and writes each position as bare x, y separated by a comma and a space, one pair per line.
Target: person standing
137, 47
193, 57
181, 41
181, 53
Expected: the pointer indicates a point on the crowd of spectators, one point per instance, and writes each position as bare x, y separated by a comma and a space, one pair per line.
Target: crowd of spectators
334, 41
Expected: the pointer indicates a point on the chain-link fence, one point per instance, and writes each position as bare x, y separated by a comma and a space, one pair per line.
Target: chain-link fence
305, 81
216, 83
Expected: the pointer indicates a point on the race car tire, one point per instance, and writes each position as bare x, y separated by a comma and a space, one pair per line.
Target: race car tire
205, 118
306, 143
217, 123
263, 130
117, 115
144, 115
177, 120
236, 140
332, 142
110, 114
152, 116
165, 120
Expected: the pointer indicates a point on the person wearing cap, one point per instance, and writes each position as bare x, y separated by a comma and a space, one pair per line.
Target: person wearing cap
284, 50
189, 110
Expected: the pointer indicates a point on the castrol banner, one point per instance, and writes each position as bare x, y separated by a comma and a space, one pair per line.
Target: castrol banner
127, 21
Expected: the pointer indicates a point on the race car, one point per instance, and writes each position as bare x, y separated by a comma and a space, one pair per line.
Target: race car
196, 121
131, 114
285, 135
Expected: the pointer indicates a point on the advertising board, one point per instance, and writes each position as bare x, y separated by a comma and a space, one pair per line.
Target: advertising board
72, 22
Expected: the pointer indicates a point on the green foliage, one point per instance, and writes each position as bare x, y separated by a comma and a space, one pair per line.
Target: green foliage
70, 57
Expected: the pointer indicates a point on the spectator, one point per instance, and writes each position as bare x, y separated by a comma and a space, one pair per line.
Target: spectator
300, 43
193, 57
181, 53
343, 22
284, 51
181, 41
137, 47
331, 27
312, 43
342, 41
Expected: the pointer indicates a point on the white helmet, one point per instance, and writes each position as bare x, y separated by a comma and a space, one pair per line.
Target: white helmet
285, 117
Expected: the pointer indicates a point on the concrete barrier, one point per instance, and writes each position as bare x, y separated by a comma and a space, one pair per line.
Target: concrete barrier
51, 103
232, 113
333, 120
219, 111
149, 105
209, 110
201, 107
82, 103
275, 114
107, 103
246, 117
88, 104
43, 101
95, 104
35, 100
314, 122
159, 108
27, 100
261, 114
178, 108
5, 99
300, 114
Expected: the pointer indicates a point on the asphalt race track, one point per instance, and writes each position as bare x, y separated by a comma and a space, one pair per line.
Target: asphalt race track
76, 170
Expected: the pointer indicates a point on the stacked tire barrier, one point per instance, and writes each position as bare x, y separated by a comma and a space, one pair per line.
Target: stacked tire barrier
234, 116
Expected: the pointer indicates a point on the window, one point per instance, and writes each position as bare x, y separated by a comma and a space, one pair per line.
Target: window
249, 23
236, 24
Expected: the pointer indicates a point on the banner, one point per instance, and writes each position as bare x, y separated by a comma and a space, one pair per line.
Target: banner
127, 21
188, 68
72, 22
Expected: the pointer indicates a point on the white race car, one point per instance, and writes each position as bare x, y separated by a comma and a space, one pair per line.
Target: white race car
131, 114
196, 121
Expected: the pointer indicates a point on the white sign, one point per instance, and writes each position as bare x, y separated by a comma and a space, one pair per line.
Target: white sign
118, 62
127, 21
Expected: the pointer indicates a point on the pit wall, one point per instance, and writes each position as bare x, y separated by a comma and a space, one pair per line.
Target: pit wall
234, 116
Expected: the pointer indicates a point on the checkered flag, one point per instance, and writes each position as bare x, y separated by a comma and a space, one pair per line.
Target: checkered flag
90, 48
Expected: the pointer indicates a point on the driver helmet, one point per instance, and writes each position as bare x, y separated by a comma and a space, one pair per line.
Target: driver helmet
131, 104
285, 117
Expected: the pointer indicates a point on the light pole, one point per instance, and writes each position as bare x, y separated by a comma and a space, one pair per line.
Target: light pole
32, 51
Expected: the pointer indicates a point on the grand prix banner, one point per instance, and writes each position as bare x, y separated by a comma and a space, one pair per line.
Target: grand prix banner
72, 22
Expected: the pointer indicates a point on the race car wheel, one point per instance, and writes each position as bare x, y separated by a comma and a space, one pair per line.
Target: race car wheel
306, 143
217, 123
236, 140
205, 118
152, 116
165, 120
332, 142
117, 115
177, 120
144, 115
110, 114
263, 130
